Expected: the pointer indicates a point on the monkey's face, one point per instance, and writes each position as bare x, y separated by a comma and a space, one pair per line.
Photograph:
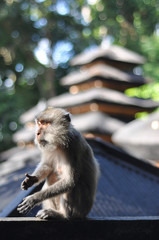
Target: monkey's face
51, 127
42, 126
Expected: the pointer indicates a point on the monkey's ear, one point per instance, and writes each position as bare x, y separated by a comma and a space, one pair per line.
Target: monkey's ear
67, 117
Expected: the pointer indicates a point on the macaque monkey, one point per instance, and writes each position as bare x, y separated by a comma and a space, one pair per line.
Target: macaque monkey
67, 164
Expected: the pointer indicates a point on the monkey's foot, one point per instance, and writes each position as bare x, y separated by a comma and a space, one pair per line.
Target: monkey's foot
49, 213
27, 204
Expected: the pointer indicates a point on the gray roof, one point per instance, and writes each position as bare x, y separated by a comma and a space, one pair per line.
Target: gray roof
8, 153
140, 137
102, 95
126, 187
104, 72
96, 122
113, 52
13, 172
32, 112
25, 134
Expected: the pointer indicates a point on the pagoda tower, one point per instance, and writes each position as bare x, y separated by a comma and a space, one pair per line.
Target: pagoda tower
96, 97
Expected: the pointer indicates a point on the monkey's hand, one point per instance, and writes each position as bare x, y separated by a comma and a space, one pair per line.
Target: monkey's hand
27, 204
28, 181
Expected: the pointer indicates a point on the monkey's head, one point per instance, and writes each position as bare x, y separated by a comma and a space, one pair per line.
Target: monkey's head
52, 127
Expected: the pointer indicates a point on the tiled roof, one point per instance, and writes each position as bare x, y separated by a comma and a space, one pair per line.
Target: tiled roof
104, 72
140, 137
124, 188
112, 52
96, 122
100, 95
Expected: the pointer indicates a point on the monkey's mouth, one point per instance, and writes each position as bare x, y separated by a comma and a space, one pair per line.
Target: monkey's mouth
42, 142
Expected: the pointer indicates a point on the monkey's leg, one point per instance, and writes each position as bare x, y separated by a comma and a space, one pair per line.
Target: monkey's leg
49, 213
53, 203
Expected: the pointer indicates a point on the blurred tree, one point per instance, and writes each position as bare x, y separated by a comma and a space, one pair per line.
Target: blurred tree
135, 25
37, 38
126, 21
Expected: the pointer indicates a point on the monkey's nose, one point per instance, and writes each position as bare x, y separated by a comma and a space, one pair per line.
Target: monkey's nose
38, 135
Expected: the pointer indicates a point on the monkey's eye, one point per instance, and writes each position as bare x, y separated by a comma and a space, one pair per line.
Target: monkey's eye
43, 122
38, 122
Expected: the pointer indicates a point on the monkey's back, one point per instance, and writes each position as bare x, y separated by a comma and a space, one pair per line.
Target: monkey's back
86, 173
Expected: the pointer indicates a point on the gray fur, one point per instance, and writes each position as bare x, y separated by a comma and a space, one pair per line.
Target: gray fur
69, 167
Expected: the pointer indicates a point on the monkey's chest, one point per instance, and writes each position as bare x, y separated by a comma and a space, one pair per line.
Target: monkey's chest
60, 169
52, 178
55, 175
60, 164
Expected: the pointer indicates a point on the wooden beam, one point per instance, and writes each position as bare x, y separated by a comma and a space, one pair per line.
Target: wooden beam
120, 86
108, 108
94, 229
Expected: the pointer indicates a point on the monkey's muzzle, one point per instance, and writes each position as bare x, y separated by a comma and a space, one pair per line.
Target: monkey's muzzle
42, 142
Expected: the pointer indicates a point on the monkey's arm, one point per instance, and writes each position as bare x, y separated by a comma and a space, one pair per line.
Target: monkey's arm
62, 186
40, 173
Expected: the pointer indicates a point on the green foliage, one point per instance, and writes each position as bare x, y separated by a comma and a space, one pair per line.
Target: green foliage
145, 91
24, 79
150, 48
